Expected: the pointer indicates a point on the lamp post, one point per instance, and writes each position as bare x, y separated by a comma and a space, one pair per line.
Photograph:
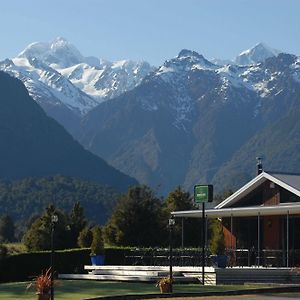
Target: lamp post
171, 224
54, 220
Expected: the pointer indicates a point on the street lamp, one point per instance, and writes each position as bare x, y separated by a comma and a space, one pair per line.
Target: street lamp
171, 224
54, 220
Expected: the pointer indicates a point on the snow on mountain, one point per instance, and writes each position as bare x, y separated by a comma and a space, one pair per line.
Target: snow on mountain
260, 52
57, 74
184, 62
257, 77
173, 70
212, 110
100, 79
45, 84
176, 74
57, 54
221, 62
109, 79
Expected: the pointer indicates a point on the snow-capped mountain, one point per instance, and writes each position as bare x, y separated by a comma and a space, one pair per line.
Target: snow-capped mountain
58, 54
67, 84
178, 124
187, 119
46, 84
55, 94
259, 53
99, 79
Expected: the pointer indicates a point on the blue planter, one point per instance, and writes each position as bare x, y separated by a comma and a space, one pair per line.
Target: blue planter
219, 261
97, 260
222, 261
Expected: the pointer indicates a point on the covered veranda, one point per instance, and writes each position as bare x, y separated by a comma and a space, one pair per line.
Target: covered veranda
260, 221
257, 235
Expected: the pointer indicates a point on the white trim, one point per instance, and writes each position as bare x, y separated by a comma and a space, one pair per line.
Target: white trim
249, 211
251, 185
247, 188
283, 184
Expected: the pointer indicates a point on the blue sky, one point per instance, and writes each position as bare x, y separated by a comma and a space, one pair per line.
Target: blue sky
151, 30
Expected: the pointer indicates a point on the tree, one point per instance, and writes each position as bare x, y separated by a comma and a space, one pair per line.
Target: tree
97, 246
85, 238
22, 199
7, 229
216, 242
38, 237
67, 229
136, 219
77, 223
179, 200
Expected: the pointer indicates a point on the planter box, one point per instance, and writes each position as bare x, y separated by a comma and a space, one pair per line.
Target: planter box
97, 260
219, 261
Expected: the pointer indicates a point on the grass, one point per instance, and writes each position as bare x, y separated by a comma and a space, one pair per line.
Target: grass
80, 289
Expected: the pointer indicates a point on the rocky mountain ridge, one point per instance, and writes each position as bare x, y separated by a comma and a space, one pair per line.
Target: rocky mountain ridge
188, 119
184, 122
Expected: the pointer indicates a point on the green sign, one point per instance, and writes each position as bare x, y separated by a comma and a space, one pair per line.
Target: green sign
203, 193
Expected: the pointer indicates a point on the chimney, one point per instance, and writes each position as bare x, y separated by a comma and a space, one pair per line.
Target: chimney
259, 165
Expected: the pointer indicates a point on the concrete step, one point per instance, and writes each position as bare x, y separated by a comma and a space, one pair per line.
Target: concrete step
132, 272
144, 273
149, 268
122, 278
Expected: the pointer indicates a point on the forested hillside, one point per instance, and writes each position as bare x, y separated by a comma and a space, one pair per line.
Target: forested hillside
28, 197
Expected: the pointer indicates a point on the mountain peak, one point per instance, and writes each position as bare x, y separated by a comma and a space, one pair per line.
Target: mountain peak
60, 52
260, 52
190, 57
189, 53
61, 42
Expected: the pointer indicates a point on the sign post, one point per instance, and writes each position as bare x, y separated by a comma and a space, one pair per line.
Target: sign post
202, 194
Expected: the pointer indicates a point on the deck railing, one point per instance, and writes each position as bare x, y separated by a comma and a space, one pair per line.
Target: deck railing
160, 257
193, 257
265, 257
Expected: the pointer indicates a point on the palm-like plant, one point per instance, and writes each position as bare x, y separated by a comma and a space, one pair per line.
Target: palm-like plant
42, 283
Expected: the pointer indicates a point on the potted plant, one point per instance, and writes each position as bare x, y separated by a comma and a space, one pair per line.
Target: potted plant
97, 247
42, 284
164, 284
217, 244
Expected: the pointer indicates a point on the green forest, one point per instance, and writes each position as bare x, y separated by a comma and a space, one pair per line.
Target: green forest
27, 198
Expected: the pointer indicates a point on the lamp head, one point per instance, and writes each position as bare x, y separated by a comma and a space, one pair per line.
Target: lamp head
54, 218
171, 221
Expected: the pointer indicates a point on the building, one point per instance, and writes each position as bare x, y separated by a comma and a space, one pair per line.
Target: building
260, 220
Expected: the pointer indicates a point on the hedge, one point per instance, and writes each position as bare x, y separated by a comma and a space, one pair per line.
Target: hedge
20, 267
25, 266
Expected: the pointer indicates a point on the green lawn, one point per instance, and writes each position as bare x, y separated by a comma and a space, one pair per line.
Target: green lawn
80, 289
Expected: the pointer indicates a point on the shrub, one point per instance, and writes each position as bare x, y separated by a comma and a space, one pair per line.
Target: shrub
85, 238
97, 247
217, 241
3, 251
26, 266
